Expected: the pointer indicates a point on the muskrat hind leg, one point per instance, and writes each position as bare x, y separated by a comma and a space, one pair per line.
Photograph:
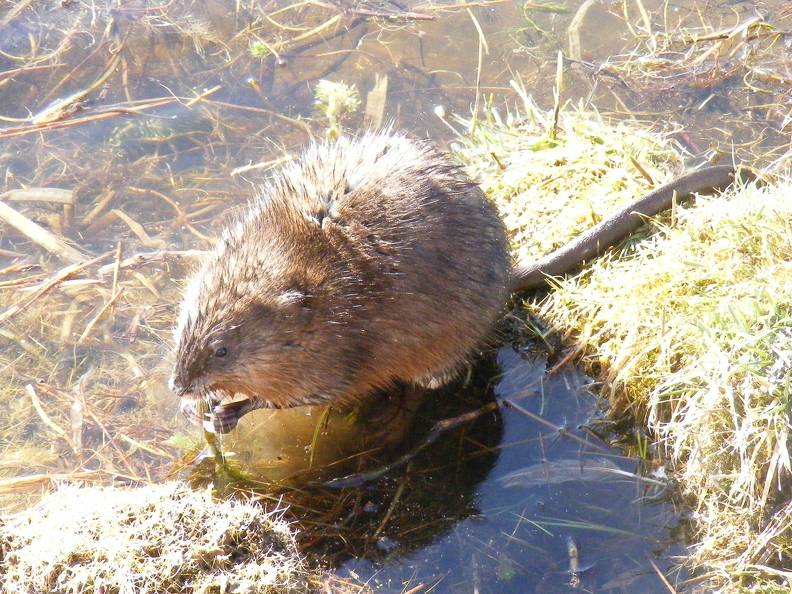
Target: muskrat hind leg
389, 413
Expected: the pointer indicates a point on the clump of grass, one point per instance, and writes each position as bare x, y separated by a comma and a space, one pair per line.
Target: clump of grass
158, 538
695, 332
550, 190
690, 329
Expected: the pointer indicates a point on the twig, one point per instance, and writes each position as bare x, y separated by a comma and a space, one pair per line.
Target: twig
65, 107
96, 318
116, 268
138, 260
483, 48
55, 195
400, 15
391, 508
575, 25
98, 208
146, 448
18, 7
39, 234
663, 578
179, 219
23, 483
558, 92
44, 416
7, 75
96, 116
546, 423
316, 30
279, 116
137, 229
54, 281
360, 478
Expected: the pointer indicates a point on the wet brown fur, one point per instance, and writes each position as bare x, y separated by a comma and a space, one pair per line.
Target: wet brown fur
364, 262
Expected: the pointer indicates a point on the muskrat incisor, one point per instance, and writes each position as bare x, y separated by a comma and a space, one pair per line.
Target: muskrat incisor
365, 262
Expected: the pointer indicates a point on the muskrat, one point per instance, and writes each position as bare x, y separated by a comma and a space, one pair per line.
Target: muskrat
364, 263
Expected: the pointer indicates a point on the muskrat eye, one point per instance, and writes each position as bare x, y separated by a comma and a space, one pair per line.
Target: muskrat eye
221, 352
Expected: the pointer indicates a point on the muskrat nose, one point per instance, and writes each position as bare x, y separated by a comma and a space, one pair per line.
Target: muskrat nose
176, 387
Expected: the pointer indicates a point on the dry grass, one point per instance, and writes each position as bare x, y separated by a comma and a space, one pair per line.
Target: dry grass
694, 331
163, 538
689, 329
550, 190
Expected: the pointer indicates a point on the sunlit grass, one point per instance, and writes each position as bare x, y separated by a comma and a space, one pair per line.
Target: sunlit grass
164, 538
550, 190
693, 331
690, 329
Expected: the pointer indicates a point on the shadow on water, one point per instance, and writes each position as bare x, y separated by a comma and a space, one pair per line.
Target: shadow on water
158, 119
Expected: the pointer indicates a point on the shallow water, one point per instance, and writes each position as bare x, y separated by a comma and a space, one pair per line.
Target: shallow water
172, 123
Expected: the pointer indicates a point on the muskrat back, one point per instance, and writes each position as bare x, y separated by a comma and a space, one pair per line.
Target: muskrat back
364, 262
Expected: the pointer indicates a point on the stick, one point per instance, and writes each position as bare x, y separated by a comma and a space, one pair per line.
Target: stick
40, 235
43, 415
61, 276
360, 478
141, 259
96, 318
56, 195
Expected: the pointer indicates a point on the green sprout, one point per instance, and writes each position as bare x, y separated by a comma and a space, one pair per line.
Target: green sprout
334, 101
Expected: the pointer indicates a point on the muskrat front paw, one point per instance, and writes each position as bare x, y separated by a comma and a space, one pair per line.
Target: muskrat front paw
189, 409
225, 417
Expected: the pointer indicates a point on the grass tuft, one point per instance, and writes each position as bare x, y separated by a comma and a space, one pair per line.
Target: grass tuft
550, 190
694, 327
157, 538
689, 329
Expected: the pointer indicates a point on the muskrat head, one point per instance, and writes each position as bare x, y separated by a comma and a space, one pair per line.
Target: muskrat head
252, 330
242, 345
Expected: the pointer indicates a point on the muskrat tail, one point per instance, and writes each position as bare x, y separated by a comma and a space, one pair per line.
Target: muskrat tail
592, 243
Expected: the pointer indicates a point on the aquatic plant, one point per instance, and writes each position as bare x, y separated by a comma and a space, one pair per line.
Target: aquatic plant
335, 101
